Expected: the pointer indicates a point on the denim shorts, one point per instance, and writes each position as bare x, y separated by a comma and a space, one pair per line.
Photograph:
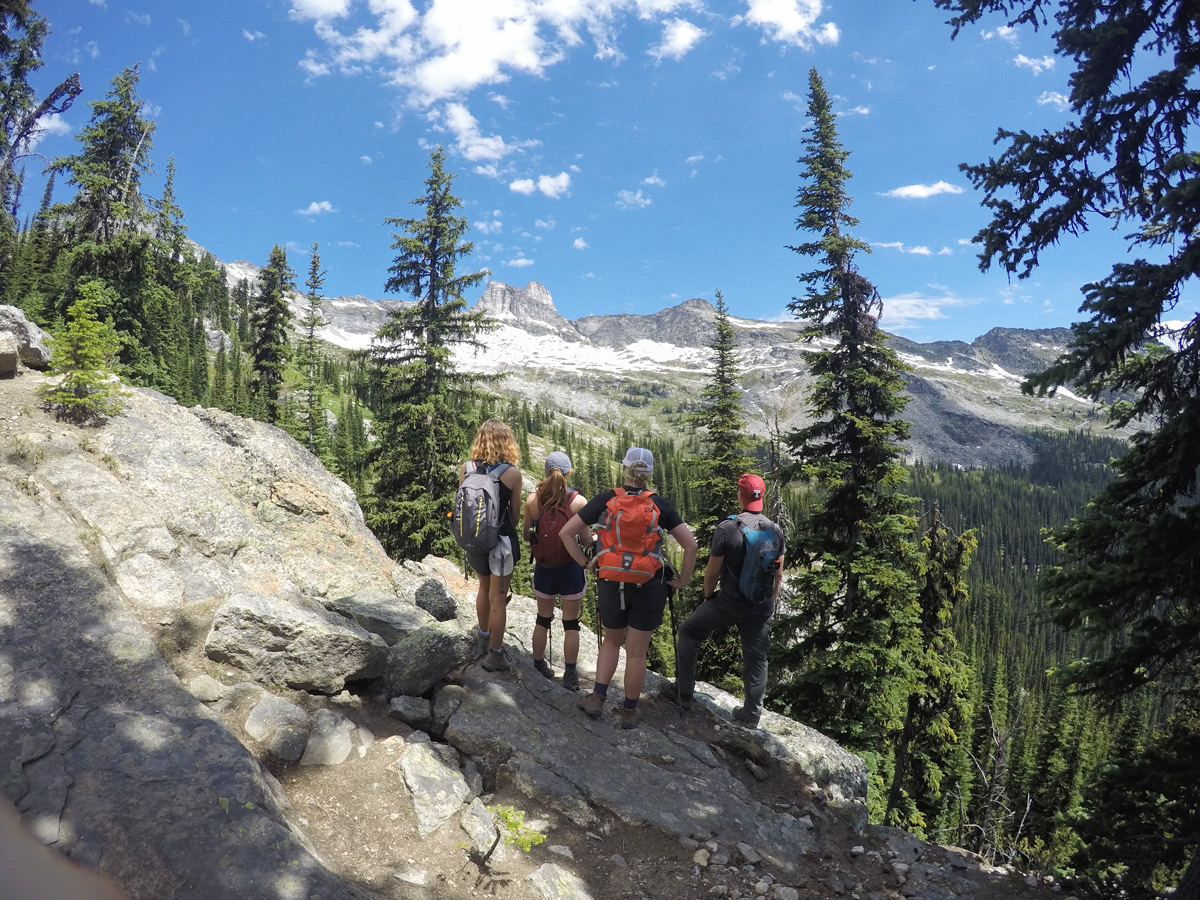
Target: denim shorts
566, 581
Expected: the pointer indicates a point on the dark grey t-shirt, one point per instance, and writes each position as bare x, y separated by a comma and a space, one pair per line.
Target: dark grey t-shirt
728, 542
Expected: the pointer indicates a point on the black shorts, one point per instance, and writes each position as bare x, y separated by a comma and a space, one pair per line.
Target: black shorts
640, 608
566, 581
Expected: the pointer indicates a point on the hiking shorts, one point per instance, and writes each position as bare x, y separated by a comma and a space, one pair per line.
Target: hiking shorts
566, 581
641, 608
497, 561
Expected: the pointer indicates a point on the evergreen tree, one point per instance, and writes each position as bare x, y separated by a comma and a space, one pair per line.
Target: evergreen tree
424, 403
311, 319
1126, 581
84, 354
272, 316
843, 644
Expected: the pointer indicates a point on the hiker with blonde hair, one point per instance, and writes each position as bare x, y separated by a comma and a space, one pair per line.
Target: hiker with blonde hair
495, 453
633, 579
555, 574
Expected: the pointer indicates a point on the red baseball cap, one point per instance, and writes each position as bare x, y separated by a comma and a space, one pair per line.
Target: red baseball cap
752, 487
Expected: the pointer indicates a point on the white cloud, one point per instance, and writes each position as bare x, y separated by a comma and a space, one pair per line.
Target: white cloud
1038, 66
546, 224
855, 111
185, 25
494, 226
790, 22
554, 186
143, 19
366, 160
523, 186
906, 310
312, 67
316, 208
499, 99
917, 250
101, 3
52, 125
253, 35
319, 9
679, 36
519, 263
654, 180
1005, 33
579, 244
488, 171
921, 191
93, 50
473, 144
631, 200
1053, 98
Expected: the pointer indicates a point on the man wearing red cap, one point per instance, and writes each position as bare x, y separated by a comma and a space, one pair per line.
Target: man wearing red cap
728, 606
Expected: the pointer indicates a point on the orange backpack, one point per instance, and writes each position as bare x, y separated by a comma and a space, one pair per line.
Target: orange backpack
630, 538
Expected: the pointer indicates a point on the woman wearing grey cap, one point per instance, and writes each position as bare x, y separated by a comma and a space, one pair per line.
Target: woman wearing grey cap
631, 590
555, 574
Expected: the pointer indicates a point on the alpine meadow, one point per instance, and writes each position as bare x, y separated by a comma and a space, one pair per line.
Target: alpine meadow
1012, 645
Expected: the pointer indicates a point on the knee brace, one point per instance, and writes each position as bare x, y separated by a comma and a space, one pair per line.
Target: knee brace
546, 621
570, 624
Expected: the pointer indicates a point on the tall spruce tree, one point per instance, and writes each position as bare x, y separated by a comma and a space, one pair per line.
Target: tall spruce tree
312, 319
272, 317
842, 646
424, 403
1127, 580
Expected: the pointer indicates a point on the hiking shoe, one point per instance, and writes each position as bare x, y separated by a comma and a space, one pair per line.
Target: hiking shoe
592, 704
670, 691
570, 680
482, 643
497, 661
544, 667
631, 717
741, 716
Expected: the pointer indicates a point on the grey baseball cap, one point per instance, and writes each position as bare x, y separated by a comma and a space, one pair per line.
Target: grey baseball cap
558, 460
638, 458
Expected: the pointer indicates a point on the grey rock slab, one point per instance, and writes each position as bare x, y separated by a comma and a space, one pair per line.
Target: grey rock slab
33, 344
499, 720
534, 780
481, 830
438, 790
421, 660
296, 644
9, 356
381, 613
108, 756
553, 882
414, 711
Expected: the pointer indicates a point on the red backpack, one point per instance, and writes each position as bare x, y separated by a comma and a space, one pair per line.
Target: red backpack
630, 538
547, 546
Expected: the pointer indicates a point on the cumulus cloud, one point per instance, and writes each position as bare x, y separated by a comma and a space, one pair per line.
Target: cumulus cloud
679, 36
492, 226
554, 186
790, 22
915, 250
366, 160
472, 143
523, 186
316, 208
52, 125
519, 262
921, 191
185, 25
855, 111
252, 35
579, 244
1037, 66
319, 9
1053, 98
654, 180
632, 200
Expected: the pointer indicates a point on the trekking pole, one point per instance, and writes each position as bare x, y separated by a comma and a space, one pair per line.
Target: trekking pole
674, 625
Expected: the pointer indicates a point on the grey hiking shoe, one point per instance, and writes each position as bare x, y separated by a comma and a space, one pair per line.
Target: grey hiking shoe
744, 718
497, 661
592, 704
544, 667
482, 642
630, 718
570, 680
670, 691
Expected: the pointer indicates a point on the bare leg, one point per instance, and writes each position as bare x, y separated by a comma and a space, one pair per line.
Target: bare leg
483, 606
571, 610
636, 646
609, 654
545, 607
498, 614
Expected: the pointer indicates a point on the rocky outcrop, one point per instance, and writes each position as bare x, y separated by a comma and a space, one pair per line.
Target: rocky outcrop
189, 542
32, 344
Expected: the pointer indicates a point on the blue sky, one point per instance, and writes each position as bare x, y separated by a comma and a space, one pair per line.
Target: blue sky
627, 154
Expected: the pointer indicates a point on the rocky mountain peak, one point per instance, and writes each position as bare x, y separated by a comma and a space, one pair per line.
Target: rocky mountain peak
530, 308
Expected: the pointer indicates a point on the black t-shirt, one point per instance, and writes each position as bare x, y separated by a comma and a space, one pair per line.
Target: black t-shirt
668, 516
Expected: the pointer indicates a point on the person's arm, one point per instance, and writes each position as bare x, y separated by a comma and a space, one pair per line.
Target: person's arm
573, 534
530, 516
511, 478
778, 577
712, 574
684, 537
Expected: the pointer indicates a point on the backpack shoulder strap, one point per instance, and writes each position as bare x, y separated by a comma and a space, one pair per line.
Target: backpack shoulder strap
498, 469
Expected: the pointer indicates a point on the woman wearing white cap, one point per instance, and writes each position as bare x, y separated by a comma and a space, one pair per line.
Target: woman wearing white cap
631, 593
555, 574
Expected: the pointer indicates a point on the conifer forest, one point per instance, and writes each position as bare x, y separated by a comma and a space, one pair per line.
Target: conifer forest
1013, 651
